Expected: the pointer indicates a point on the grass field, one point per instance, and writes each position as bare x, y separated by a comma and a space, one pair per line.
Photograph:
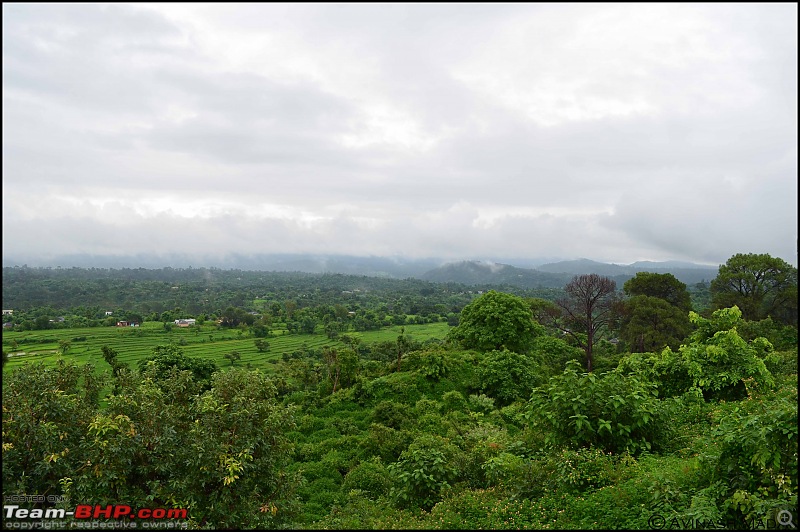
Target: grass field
205, 341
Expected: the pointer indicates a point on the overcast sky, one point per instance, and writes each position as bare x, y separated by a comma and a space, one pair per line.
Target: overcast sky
614, 132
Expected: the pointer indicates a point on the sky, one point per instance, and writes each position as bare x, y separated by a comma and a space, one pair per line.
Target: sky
615, 132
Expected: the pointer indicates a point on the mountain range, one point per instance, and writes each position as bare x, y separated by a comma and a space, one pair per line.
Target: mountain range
468, 272
557, 274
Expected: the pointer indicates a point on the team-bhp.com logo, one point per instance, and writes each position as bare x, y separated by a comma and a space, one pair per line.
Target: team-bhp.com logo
87, 511
89, 516
118, 511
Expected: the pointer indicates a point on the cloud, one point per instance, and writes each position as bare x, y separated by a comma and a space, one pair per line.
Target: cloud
616, 132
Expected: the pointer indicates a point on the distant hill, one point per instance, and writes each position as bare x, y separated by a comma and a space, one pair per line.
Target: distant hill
558, 274
686, 272
490, 273
390, 267
469, 272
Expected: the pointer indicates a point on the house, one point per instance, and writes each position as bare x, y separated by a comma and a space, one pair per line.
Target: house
108, 313
122, 324
185, 322
8, 312
125, 323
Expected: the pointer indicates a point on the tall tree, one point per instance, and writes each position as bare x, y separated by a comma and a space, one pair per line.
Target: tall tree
657, 313
496, 321
661, 285
588, 309
760, 285
650, 323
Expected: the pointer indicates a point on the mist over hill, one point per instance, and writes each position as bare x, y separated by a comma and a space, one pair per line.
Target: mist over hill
558, 274
480, 273
524, 273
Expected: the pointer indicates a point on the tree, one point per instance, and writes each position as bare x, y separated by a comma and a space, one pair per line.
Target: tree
290, 306
495, 321
719, 361
657, 313
403, 346
233, 356
64, 346
588, 309
45, 417
759, 285
167, 357
261, 344
233, 317
223, 453
341, 366
117, 367
507, 376
661, 285
610, 411
650, 323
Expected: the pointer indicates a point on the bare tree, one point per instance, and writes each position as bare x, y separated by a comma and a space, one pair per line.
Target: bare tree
588, 308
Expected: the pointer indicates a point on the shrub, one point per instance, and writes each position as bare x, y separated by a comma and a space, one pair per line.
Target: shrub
781, 362
423, 471
371, 477
480, 403
433, 364
588, 469
507, 376
384, 442
612, 411
758, 459
555, 353
481, 509
668, 370
390, 414
719, 360
454, 401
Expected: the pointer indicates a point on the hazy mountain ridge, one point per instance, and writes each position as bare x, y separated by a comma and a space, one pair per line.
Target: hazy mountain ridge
557, 274
491, 273
392, 267
469, 272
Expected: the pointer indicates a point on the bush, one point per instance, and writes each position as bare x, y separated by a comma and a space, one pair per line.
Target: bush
611, 411
782, 362
758, 459
719, 360
384, 442
507, 376
433, 364
588, 469
454, 401
423, 471
555, 353
390, 414
668, 370
371, 477
481, 509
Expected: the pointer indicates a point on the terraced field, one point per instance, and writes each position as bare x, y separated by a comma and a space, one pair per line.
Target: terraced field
206, 341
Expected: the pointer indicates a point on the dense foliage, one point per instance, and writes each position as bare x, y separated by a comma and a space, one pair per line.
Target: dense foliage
496, 321
497, 425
